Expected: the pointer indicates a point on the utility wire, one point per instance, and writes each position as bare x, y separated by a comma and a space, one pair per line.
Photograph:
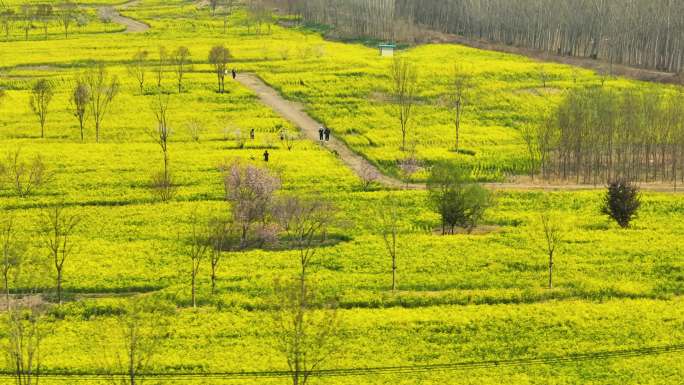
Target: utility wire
349, 372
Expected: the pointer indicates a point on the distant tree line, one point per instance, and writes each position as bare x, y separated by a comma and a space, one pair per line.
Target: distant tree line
642, 33
599, 135
29, 15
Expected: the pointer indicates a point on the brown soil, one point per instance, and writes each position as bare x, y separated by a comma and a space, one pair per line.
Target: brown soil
295, 113
132, 25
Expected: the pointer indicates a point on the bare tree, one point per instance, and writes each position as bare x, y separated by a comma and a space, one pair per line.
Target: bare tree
138, 68
12, 253
529, 135
227, 10
67, 13
162, 183
389, 226
305, 334
27, 16
44, 13
7, 18
56, 228
41, 96
289, 138
409, 166
199, 245
195, 129
213, 4
596, 29
404, 89
219, 57
80, 99
24, 177
181, 61
552, 240
142, 329
369, 176
102, 90
458, 98
222, 238
305, 223
25, 331
543, 75
250, 191
161, 65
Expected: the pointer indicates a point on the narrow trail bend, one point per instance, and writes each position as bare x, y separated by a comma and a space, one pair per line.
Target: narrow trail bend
132, 25
294, 112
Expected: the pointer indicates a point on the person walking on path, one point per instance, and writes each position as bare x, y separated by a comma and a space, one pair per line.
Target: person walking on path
234, 74
327, 134
320, 133
251, 134
266, 155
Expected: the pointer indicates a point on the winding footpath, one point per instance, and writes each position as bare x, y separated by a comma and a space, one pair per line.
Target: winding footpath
132, 25
295, 113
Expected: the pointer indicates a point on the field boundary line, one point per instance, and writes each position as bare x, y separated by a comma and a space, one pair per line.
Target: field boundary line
361, 371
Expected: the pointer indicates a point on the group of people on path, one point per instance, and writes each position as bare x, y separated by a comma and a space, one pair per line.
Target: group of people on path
324, 134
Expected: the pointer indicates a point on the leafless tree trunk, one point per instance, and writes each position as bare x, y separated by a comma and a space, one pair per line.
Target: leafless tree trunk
57, 227
199, 242
460, 87
597, 29
181, 61
162, 184
102, 90
389, 226
67, 12
138, 68
219, 57
12, 253
25, 330
41, 96
305, 334
404, 88
305, 223
222, 238
24, 177
142, 329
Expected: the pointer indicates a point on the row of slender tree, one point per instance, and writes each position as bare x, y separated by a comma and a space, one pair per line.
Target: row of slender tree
26, 17
258, 218
598, 135
643, 33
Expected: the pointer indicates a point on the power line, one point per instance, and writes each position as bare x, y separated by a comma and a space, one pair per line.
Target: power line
349, 372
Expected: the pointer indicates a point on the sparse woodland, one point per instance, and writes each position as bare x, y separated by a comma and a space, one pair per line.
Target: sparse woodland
146, 239
641, 33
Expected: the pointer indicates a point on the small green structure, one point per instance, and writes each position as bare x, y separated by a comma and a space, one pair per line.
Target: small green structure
387, 50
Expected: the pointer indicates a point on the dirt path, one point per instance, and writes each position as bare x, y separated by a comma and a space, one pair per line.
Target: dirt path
132, 25
294, 112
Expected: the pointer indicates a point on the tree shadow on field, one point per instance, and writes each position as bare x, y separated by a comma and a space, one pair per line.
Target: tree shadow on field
285, 244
